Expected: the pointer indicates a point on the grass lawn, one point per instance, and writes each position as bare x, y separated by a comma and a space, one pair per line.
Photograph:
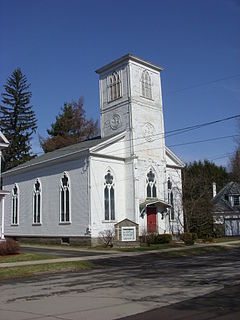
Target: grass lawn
26, 257
26, 271
145, 247
226, 239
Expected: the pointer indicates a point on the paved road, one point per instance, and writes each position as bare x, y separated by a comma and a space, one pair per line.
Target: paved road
124, 286
223, 304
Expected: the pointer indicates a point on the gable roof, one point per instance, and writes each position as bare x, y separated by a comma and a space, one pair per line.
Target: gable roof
128, 57
177, 162
220, 204
60, 154
3, 141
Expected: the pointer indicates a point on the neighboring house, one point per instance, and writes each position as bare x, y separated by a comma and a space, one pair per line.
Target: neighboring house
226, 209
73, 193
3, 144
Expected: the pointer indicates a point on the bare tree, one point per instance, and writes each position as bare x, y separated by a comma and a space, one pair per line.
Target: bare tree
106, 237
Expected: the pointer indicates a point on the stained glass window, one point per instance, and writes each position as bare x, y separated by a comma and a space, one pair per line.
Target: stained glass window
151, 185
146, 85
37, 202
15, 204
114, 86
109, 197
64, 198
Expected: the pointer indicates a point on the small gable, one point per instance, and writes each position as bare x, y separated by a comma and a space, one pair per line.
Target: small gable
173, 160
4, 143
126, 223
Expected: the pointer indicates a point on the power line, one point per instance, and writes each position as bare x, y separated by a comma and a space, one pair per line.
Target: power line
202, 84
179, 131
181, 144
176, 132
205, 140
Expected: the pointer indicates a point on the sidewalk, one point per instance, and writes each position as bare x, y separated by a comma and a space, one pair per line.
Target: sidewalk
113, 254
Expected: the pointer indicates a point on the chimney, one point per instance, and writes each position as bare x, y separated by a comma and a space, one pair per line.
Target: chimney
214, 189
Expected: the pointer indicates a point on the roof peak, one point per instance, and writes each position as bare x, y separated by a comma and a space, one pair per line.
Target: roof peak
127, 57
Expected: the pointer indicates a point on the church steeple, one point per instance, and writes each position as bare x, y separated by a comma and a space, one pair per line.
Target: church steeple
131, 100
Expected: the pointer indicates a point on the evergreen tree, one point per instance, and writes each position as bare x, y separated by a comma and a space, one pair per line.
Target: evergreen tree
235, 165
71, 126
17, 119
234, 160
197, 195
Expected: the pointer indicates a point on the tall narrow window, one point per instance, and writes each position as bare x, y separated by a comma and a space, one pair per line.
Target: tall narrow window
114, 86
146, 85
65, 199
109, 197
37, 193
151, 185
170, 199
15, 204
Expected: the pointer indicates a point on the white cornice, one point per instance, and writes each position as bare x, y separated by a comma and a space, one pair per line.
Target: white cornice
178, 162
128, 57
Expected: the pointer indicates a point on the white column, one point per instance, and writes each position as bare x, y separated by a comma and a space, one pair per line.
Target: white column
2, 228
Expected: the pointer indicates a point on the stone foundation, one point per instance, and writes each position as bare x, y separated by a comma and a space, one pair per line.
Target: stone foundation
83, 241
126, 244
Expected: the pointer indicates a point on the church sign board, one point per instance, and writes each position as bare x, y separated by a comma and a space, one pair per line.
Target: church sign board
126, 233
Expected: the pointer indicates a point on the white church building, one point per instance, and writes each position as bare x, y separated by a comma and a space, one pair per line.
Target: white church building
73, 193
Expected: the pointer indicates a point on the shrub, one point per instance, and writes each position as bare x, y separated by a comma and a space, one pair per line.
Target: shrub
9, 246
189, 238
218, 230
155, 238
151, 238
105, 238
208, 239
164, 238
194, 236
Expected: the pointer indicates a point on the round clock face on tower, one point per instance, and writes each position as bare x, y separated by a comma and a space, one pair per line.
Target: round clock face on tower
115, 121
149, 132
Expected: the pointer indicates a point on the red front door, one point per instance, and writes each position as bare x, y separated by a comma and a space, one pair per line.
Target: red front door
151, 219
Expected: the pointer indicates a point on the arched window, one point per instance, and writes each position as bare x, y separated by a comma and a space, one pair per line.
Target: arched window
65, 198
151, 185
114, 86
170, 199
15, 204
109, 197
146, 85
37, 202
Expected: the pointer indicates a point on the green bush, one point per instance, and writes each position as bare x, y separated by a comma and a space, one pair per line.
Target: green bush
208, 239
218, 230
151, 238
189, 238
164, 238
194, 236
155, 238
9, 246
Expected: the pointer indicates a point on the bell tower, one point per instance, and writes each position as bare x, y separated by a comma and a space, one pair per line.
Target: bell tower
131, 101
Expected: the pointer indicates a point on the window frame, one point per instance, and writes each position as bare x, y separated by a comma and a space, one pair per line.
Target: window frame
114, 85
38, 203
151, 185
234, 198
146, 85
109, 196
65, 189
171, 200
14, 216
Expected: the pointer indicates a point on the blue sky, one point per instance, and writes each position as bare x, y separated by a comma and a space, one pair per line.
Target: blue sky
59, 44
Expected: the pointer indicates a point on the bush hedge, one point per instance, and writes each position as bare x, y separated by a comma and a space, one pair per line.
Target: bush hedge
189, 238
155, 238
9, 246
